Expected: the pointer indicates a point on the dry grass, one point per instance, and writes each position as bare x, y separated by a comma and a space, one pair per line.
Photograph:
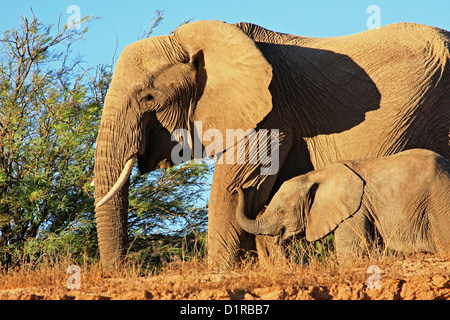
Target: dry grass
417, 277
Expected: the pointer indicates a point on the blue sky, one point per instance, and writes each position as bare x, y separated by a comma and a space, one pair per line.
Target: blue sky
126, 20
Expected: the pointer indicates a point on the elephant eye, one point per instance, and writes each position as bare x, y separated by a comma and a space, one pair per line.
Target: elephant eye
147, 97
280, 212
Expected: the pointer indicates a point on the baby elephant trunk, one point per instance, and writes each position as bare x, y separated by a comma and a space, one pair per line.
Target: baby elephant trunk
257, 226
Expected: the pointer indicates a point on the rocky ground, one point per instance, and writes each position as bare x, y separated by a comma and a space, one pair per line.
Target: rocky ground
421, 278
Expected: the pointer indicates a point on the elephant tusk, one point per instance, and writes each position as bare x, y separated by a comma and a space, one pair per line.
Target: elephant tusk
120, 181
93, 182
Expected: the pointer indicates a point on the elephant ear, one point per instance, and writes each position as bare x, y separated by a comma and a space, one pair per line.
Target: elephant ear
335, 194
235, 76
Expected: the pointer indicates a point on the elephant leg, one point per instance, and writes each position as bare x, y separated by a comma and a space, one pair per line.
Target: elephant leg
225, 237
354, 238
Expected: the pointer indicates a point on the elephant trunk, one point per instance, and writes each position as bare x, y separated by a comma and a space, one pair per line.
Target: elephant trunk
112, 228
111, 215
257, 226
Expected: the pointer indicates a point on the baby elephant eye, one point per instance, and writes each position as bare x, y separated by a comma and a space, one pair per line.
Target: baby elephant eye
280, 212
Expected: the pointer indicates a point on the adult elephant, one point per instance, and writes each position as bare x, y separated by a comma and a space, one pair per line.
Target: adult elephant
370, 94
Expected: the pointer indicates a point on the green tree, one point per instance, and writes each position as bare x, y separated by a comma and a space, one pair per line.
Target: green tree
178, 204
50, 109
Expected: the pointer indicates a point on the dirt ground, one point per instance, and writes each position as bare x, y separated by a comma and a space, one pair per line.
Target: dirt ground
421, 278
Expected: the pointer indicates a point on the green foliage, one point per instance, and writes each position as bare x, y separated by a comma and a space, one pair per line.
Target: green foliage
50, 111
172, 226
76, 244
177, 204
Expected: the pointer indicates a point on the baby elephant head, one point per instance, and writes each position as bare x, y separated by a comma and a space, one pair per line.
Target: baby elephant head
313, 204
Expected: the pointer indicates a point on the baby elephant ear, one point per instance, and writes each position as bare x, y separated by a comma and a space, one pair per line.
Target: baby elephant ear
336, 194
235, 75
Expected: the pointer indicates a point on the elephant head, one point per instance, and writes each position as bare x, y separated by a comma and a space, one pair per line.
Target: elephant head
313, 204
206, 71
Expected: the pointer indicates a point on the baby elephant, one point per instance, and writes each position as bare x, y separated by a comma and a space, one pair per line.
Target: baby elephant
402, 200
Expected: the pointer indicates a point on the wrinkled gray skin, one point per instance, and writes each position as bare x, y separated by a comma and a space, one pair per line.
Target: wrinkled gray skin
370, 94
401, 200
